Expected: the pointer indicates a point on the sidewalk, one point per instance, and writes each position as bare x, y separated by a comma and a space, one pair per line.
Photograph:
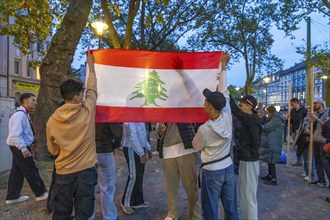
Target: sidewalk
293, 198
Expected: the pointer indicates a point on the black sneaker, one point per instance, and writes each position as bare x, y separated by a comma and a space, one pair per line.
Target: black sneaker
327, 200
297, 164
322, 184
267, 177
271, 182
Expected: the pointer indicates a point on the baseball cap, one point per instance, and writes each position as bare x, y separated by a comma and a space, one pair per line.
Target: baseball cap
216, 99
318, 100
249, 99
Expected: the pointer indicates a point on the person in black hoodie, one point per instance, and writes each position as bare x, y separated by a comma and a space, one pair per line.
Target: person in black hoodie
249, 139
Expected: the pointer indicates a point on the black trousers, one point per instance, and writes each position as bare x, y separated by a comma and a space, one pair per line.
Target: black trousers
23, 167
321, 162
133, 194
74, 190
272, 170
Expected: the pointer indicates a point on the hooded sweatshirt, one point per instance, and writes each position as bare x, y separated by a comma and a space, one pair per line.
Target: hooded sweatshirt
214, 137
70, 133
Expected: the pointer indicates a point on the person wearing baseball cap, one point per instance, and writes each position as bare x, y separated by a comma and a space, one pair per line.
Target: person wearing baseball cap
249, 141
319, 116
213, 139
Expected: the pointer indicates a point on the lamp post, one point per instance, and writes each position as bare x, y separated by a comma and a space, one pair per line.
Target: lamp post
324, 79
237, 89
266, 81
99, 27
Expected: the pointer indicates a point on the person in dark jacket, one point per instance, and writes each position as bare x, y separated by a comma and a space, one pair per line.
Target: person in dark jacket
271, 143
249, 140
106, 135
297, 115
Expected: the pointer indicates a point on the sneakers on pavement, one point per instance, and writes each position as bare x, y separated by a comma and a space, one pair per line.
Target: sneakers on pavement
306, 178
20, 199
271, 182
143, 205
127, 210
266, 177
322, 184
297, 164
42, 197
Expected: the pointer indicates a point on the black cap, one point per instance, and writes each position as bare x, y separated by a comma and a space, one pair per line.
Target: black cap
216, 99
249, 99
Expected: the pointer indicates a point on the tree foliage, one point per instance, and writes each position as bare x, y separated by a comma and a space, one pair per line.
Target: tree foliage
156, 25
243, 28
27, 20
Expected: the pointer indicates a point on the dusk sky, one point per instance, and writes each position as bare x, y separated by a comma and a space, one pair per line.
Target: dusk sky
283, 47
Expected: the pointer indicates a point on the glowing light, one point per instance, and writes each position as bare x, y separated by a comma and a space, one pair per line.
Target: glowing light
266, 79
99, 27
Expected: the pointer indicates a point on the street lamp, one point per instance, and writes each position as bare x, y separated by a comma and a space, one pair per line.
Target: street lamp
237, 89
99, 27
266, 81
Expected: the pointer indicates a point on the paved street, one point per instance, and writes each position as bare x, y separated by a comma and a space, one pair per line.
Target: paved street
293, 198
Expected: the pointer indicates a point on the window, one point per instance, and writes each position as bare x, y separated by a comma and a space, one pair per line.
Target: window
17, 67
39, 44
28, 70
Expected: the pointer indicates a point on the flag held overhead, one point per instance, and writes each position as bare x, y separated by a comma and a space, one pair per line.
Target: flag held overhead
148, 86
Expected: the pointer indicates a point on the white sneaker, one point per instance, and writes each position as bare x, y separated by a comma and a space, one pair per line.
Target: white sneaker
42, 197
170, 218
306, 178
20, 199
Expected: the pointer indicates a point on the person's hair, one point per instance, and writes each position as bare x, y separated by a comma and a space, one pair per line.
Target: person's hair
25, 96
271, 109
294, 100
71, 87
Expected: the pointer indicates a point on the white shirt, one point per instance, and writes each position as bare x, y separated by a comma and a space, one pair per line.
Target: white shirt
20, 132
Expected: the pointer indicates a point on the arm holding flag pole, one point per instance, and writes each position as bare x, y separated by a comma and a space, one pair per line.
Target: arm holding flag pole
222, 75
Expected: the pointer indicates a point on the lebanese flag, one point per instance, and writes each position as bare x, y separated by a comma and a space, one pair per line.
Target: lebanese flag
149, 86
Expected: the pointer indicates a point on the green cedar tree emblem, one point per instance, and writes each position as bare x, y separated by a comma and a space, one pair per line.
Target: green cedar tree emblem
150, 88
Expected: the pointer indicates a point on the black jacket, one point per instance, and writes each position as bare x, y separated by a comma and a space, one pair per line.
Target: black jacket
297, 118
249, 135
107, 135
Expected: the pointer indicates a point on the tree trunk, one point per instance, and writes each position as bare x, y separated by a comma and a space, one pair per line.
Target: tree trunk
327, 91
55, 67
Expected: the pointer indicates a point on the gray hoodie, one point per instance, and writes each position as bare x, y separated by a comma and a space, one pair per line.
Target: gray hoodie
214, 137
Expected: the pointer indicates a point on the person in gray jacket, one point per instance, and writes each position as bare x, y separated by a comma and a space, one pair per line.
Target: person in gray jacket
271, 143
319, 117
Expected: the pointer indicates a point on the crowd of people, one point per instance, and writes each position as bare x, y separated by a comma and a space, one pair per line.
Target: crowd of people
83, 152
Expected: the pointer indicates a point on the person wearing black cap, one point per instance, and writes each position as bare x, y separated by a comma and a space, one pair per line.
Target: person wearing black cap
213, 139
249, 138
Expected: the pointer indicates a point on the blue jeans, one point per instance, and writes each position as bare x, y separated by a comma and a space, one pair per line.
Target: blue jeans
306, 164
219, 184
106, 169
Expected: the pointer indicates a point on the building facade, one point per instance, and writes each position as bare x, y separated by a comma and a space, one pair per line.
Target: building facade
16, 74
276, 91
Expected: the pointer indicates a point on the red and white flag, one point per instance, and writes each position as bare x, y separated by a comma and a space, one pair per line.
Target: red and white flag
149, 86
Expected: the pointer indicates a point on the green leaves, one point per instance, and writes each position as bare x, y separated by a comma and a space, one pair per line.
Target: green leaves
27, 21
